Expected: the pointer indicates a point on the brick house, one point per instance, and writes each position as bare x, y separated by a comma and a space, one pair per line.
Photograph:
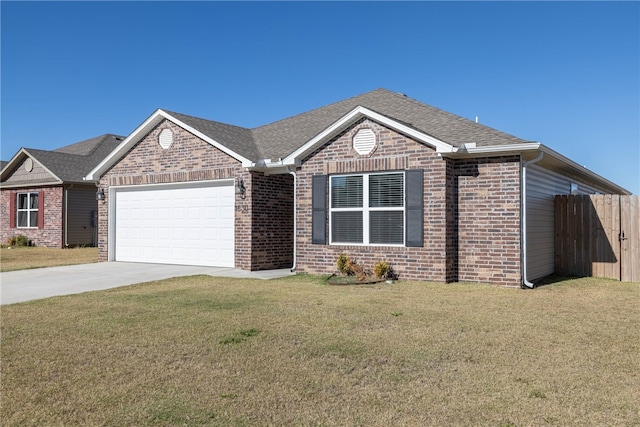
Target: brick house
44, 197
376, 176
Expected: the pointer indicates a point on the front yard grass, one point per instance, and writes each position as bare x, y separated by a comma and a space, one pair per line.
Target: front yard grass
26, 257
218, 351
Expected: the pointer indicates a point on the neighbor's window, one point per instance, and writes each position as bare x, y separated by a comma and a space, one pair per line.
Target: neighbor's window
367, 209
27, 210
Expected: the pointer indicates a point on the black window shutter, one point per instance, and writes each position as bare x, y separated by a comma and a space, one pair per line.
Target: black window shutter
414, 209
319, 210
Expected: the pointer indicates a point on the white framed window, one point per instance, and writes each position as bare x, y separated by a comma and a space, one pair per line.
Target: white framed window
27, 210
367, 209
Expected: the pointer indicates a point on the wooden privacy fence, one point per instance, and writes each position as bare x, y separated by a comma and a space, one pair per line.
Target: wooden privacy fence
599, 236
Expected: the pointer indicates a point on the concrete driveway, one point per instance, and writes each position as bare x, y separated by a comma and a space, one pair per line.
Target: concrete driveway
26, 285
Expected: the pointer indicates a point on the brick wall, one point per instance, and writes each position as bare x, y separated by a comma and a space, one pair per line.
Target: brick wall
272, 221
52, 233
393, 152
486, 220
471, 212
187, 159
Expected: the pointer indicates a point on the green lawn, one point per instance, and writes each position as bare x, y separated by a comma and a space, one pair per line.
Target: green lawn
26, 257
294, 351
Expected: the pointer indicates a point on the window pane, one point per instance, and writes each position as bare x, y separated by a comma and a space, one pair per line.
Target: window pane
346, 227
33, 219
346, 191
386, 190
386, 227
34, 200
22, 201
22, 219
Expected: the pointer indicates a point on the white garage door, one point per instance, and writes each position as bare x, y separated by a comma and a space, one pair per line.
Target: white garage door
176, 224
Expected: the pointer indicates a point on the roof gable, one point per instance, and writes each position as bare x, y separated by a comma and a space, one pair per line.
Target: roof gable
282, 138
66, 164
211, 132
352, 117
17, 174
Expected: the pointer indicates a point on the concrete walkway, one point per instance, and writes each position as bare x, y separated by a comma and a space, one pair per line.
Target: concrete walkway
26, 285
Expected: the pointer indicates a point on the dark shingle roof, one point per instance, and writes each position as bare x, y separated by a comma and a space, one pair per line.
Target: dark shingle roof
285, 136
281, 138
72, 162
238, 139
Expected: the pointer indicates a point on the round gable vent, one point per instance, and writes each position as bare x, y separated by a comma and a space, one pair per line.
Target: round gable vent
165, 138
364, 141
28, 164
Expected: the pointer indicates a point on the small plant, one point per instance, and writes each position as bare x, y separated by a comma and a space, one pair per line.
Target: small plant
344, 264
19, 240
537, 393
240, 336
381, 269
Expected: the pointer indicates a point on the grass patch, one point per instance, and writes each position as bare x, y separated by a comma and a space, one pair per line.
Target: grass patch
23, 258
304, 353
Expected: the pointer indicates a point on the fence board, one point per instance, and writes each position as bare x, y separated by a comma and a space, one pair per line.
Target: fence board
588, 236
630, 244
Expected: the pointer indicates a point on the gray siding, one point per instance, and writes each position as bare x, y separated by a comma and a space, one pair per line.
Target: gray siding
81, 224
37, 175
542, 186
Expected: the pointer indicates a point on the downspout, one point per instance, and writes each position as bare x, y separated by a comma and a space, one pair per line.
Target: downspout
66, 215
295, 222
523, 228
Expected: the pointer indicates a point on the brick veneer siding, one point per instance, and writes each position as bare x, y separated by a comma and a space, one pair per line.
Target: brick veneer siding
471, 212
187, 159
485, 219
272, 221
393, 152
51, 235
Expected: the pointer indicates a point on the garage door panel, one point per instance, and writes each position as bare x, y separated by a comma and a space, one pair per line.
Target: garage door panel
176, 225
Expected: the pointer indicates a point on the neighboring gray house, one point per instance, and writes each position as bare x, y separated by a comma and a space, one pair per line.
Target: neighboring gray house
45, 198
376, 176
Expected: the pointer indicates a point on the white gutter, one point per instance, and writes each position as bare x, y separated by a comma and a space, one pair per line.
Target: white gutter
523, 227
468, 150
295, 232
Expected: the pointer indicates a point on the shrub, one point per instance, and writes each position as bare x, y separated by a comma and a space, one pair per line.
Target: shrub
344, 264
381, 269
349, 267
19, 240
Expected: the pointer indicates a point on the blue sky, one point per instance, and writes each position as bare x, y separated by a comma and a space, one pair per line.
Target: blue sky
566, 74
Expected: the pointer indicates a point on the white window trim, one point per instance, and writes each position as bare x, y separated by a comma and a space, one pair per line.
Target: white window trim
365, 209
28, 210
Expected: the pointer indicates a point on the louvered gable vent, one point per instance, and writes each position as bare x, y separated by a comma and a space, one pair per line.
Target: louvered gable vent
165, 138
364, 141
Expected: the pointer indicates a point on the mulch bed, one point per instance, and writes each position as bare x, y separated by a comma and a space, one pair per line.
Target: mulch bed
335, 280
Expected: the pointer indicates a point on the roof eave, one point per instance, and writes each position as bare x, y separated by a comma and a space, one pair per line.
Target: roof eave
15, 159
32, 185
141, 131
536, 147
357, 113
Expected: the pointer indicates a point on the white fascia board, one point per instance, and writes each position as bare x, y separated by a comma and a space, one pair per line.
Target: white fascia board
495, 150
133, 138
143, 130
355, 114
582, 169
